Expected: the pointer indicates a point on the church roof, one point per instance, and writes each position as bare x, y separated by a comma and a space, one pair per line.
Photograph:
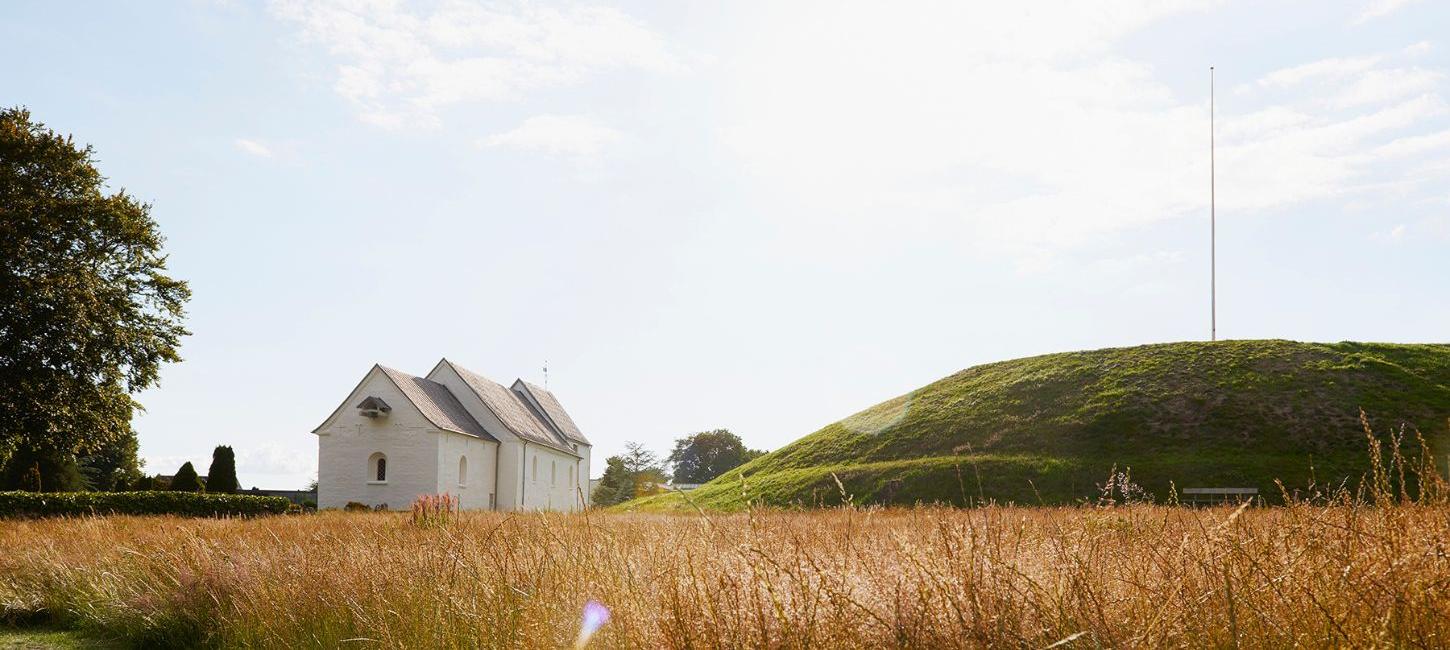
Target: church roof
511, 409
553, 410
437, 403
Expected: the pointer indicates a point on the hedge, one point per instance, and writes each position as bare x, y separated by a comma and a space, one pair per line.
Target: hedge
186, 504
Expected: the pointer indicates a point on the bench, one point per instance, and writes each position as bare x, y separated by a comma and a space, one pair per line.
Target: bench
1218, 495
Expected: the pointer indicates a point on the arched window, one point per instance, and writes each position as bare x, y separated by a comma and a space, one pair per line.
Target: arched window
553, 472
462, 471
536, 467
378, 467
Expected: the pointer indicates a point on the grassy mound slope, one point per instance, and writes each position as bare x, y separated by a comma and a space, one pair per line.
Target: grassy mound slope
1051, 428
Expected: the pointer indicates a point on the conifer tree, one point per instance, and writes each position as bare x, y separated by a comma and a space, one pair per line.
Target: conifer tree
221, 477
186, 480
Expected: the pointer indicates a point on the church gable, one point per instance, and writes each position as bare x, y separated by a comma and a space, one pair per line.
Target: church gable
383, 389
437, 403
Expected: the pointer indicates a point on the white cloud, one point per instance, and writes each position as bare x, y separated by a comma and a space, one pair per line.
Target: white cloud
1414, 145
1435, 229
276, 460
253, 147
1335, 68
277, 466
1381, 8
1140, 262
401, 67
1026, 131
568, 135
169, 464
1379, 86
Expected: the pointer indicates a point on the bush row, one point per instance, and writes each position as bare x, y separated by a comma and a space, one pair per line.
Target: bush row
186, 504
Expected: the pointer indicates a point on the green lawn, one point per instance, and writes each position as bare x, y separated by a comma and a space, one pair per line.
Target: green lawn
49, 639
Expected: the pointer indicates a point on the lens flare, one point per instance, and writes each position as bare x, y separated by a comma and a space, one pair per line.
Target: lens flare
595, 616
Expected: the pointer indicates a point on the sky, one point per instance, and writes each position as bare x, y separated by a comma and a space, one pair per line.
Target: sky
762, 216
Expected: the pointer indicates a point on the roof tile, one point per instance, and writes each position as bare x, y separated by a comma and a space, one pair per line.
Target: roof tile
554, 411
510, 409
437, 403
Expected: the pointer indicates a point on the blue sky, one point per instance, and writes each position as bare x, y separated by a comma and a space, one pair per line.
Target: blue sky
760, 216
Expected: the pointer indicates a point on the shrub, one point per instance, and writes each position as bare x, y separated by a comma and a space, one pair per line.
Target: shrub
435, 509
354, 506
186, 504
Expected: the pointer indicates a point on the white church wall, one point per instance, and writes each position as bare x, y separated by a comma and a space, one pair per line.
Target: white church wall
405, 438
582, 473
509, 479
475, 490
549, 479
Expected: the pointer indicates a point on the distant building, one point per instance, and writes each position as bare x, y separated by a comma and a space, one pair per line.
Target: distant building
397, 436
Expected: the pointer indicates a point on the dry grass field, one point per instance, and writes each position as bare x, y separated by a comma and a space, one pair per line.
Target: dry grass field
1136, 576
1367, 568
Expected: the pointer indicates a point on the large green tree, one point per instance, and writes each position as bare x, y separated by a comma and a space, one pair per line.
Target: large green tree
702, 456
87, 311
221, 477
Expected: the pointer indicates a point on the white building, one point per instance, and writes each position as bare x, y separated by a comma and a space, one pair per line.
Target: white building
397, 436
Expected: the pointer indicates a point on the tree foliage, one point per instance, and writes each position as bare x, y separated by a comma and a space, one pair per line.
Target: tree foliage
614, 485
57, 472
30, 479
636, 473
87, 312
186, 480
115, 466
221, 477
700, 457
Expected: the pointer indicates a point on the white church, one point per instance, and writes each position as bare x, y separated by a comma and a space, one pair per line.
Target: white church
397, 436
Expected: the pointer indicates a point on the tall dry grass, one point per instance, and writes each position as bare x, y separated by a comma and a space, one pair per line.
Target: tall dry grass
1143, 576
1349, 569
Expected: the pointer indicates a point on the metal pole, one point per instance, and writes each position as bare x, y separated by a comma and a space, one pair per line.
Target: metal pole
1212, 223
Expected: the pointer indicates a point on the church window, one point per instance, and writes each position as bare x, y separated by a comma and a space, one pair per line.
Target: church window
462, 471
536, 467
553, 472
378, 468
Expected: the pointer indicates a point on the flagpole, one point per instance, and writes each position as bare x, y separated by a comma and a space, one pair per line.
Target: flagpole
1212, 223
